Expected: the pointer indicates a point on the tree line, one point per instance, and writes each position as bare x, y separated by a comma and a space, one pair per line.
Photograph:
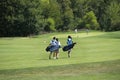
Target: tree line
31, 17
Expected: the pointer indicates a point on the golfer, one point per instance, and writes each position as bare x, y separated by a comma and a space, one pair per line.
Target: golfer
69, 42
53, 45
58, 47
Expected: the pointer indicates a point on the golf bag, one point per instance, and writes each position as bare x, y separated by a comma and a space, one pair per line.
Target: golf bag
68, 47
51, 48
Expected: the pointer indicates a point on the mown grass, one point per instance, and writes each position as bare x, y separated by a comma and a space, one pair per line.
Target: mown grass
95, 57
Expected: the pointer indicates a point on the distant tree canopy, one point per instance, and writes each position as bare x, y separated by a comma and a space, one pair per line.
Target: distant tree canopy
31, 17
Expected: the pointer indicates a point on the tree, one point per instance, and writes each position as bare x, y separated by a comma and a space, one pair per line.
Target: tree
19, 17
112, 14
10, 22
66, 14
54, 13
90, 21
50, 25
26, 17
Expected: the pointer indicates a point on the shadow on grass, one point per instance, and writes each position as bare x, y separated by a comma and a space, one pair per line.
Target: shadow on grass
83, 68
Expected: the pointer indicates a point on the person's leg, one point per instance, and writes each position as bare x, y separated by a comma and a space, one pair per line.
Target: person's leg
50, 55
69, 53
54, 55
57, 54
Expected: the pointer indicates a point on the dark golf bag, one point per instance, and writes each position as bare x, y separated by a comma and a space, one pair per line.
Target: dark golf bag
48, 48
68, 47
52, 48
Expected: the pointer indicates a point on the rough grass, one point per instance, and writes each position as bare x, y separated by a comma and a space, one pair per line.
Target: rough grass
95, 57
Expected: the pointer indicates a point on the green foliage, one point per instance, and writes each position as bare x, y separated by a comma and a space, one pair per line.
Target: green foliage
50, 25
66, 14
20, 18
113, 14
90, 21
80, 7
54, 12
26, 17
